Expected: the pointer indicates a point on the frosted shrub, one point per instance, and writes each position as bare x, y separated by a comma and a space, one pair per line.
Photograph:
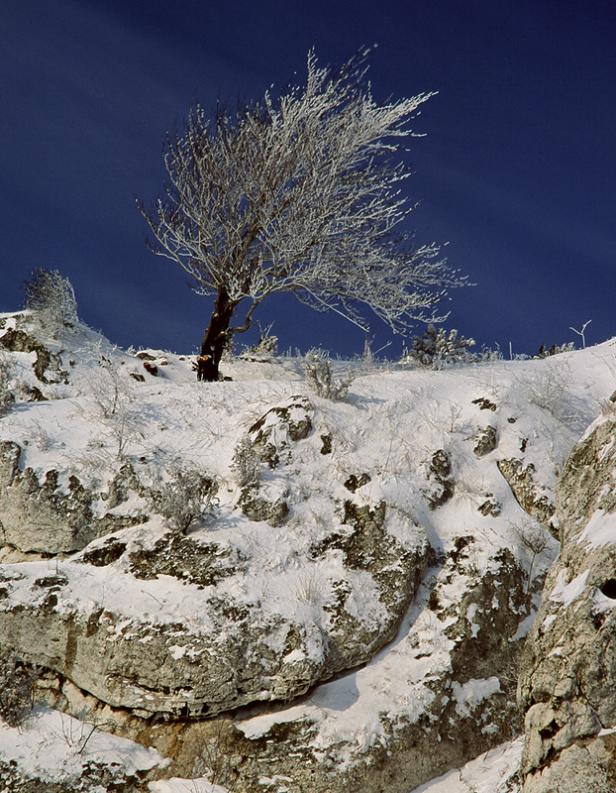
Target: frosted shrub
555, 349
52, 297
437, 348
320, 378
16, 689
6, 393
109, 388
489, 354
187, 497
549, 390
266, 348
113, 394
245, 464
535, 539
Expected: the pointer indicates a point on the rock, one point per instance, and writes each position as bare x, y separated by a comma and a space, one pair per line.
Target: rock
568, 674
326, 447
34, 394
491, 506
366, 546
439, 471
41, 517
486, 440
354, 482
270, 441
18, 340
484, 404
520, 476
257, 507
154, 661
274, 434
586, 766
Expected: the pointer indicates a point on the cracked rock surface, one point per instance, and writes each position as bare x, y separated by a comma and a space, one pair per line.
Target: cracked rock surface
568, 675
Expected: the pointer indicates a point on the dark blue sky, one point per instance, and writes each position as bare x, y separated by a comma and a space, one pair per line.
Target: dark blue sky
518, 171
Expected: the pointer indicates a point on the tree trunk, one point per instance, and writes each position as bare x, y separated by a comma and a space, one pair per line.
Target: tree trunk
214, 338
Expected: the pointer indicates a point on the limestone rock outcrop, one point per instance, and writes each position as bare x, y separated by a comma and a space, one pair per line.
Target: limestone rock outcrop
533, 499
44, 517
568, 675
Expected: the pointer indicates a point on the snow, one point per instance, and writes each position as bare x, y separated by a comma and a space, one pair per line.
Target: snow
489, 773
470, 694
548, 622
566, 593
177, 785
600, 529
602, 603
54, 746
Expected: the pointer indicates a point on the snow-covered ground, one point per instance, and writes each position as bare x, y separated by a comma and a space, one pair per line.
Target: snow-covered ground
104, 408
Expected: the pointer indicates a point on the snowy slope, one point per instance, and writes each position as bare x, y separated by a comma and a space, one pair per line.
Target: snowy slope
104, 408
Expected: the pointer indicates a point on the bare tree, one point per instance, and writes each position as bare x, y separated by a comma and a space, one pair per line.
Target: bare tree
301, 194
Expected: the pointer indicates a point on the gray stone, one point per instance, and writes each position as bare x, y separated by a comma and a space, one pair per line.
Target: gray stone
485, 441
520, 476
167, 668
47, 367
41, 517
274, 434
439, 473
568, 674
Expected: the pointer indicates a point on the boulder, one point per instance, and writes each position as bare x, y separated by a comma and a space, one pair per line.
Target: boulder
172, 625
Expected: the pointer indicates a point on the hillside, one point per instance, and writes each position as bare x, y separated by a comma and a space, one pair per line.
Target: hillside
242, 586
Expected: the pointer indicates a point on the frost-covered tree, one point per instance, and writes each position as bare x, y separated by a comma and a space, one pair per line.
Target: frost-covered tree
302, 194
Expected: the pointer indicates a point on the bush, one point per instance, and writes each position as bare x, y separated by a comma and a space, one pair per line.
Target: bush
186, 497
265, 349
245, 465
17, 681
555, 349
320, 378
437, 348
109, 386
52, 297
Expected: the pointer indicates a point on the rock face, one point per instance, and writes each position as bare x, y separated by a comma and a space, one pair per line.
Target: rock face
520, 476
47, 367
42, 517
353, 586
469, 702
486, 441
568, 675
237, 656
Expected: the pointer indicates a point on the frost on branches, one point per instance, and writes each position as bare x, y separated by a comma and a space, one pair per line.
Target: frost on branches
298, 193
